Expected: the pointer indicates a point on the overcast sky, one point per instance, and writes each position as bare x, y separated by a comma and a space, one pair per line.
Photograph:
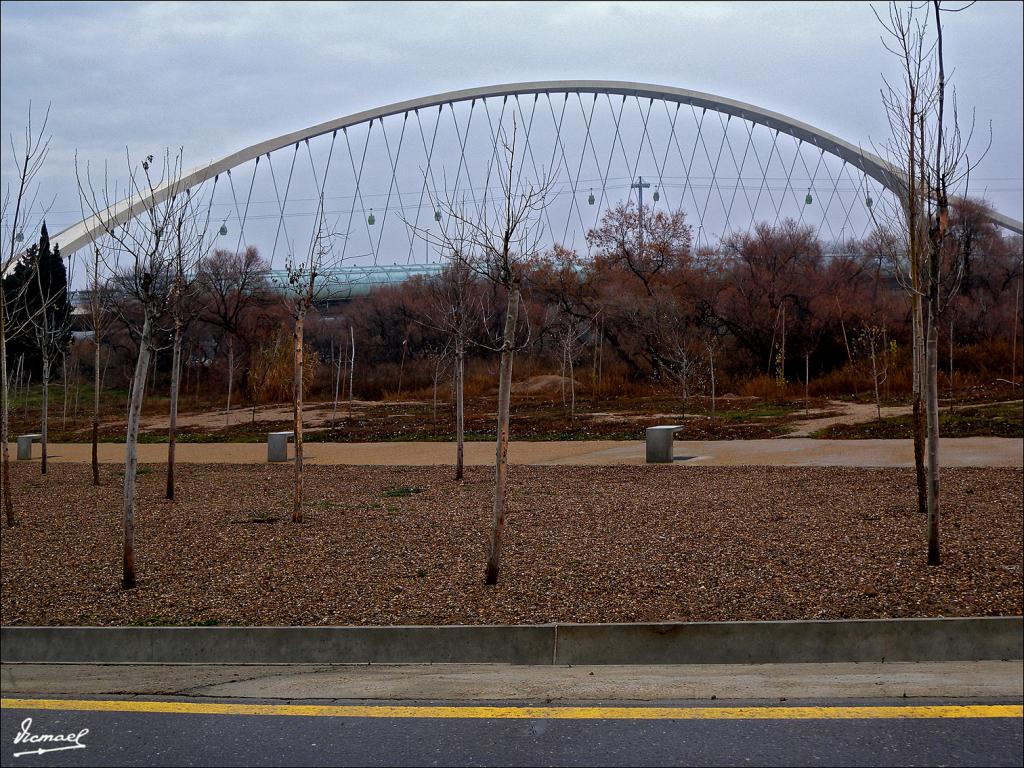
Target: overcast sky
216, 77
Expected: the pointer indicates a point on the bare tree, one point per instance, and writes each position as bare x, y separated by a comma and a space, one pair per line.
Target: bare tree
569, 332
301, 290
711, 341
189, 247
337, 365
947, 173
502, 238
20, 203
1013, 348
902, 234
47, 316
232, 285
873, 341
231, 379
401, 366
436, 355
454, 311
597, 356
351, 366
680, 357
98, 321
140, 256
928, 146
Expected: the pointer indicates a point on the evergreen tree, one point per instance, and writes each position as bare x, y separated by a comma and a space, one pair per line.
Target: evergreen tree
30, 294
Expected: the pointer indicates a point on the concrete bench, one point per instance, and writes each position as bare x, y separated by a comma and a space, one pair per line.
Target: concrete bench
25, 445
277, 445
659, 443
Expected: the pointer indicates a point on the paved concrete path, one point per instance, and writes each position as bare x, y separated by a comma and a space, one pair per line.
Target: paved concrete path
486, 682
954, 452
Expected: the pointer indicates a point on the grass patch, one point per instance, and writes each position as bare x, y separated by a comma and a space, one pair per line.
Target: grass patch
403, 491
32, 397
139, 470
765, 411
1001, 420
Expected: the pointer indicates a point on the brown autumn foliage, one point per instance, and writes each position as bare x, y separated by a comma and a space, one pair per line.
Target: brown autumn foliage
772, 302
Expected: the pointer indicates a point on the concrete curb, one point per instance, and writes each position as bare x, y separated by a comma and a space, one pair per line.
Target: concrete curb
778, 642
754, 642
279, 645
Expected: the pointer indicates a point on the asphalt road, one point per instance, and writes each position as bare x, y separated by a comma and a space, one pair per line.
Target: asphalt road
748, 733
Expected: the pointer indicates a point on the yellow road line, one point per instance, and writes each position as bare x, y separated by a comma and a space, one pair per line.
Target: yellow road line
531, 713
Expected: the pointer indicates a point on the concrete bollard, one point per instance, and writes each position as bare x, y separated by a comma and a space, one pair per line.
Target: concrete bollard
277, 445
659, 444
25, 446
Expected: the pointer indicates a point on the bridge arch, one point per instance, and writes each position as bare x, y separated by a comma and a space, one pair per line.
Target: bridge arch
890, 177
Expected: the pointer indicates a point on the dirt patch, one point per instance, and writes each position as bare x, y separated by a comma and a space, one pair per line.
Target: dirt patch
544, 385
584, 544
996, 419
608, 415
863, 420
839, 412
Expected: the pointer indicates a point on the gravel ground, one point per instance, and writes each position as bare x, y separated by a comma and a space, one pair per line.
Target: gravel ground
583, 544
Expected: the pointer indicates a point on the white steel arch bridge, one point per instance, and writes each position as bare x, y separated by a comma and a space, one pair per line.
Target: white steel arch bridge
726, 164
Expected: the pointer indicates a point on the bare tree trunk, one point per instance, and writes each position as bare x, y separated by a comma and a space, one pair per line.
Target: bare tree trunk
562, 376
231, 380
885, 360
5, 475
782, 347
460, 355
937, 234
951, 392
172, 430
1013, 349
932, 408
46, 409
437, 375
96, 412
919, 439
64, 377
131, 459
917, 328
711, 356
846, 341
337, 384
874, 378
683, 377
572, 390
401, 368
78, 386
297, 391
351, 368
807, 383
501, 448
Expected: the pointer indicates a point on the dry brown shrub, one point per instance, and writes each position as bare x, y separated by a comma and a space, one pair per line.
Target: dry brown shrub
270, 378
